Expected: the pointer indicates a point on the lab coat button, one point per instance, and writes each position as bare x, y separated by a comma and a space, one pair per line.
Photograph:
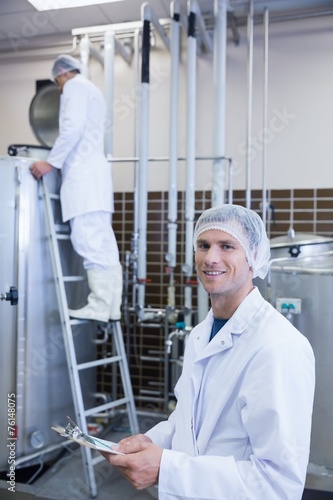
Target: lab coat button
222, 342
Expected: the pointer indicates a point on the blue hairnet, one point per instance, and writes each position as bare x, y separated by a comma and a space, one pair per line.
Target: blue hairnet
243, 224
65, 63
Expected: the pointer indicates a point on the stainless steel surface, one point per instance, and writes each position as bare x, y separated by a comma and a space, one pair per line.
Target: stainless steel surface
44, 113
32, 358
311, 280
302, 245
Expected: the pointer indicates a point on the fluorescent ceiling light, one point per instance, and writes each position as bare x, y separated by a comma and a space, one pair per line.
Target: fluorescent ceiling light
66, 4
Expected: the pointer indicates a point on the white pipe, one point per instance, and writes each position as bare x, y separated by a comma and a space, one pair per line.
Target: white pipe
84, 54
137, 39
249, 109
173, 131
206, 41
220, 56
143, 161
95, 54
126, 54
109, 48
265, 118
190, 156
151, 16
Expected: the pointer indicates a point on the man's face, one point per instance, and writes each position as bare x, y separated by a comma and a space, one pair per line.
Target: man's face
221, 263
60, 81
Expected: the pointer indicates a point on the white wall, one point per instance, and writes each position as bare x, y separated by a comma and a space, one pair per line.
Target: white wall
299, 139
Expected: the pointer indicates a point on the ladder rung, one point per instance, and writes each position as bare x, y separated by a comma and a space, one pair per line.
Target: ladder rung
98, 362
97, 459
54, 196
61, 228
78, 321
69, 279
64, 237
106, 406
151, 358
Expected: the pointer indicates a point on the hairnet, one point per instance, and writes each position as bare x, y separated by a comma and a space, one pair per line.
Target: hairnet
64, 64
243, 224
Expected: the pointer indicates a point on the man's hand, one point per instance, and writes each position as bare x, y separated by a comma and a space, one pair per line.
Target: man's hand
40, 168
141, 463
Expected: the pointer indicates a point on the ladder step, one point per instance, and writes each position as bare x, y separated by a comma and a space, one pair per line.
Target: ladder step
70, 279
107, 406
78, 321
61, 228
54, 196
97, 459
98, 362
64, 237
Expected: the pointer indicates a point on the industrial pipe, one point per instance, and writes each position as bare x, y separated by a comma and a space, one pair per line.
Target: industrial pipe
249, 105
173, 147
219, 60
84, 55
109, 50
190, 157
265, 118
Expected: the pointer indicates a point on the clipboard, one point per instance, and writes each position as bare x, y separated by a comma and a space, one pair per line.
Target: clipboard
74, 433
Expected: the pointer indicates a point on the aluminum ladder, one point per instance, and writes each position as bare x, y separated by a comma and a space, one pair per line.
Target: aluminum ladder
74, 368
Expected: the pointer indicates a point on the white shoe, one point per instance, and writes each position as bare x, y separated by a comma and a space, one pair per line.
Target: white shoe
99, 299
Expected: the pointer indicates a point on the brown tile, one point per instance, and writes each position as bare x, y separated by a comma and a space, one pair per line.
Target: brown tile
281, 193
303, 216
325, 204
325, 193
325, 216
303, 193
303, 204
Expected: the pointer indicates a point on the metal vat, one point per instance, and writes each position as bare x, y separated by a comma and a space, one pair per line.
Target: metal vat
44, 114
310, 279
300, 245
33, 368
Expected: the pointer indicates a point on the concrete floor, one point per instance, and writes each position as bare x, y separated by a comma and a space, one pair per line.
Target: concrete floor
64, 480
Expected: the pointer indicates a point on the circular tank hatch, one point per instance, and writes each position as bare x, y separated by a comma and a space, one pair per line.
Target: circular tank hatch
44, 114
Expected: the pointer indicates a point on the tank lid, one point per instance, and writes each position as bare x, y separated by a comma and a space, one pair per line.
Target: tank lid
299, 239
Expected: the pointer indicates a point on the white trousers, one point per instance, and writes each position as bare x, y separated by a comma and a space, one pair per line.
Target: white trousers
93, 239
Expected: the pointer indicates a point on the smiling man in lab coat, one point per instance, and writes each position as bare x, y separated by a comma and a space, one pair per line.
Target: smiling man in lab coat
86, 190
241, 427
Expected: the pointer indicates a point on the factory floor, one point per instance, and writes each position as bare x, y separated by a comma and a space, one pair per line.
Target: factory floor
64, 479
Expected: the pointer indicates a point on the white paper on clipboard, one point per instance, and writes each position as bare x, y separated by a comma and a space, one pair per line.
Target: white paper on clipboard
93, 443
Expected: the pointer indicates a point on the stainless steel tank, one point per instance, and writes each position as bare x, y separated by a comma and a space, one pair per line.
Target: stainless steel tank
44, 114
33, 369
307, 282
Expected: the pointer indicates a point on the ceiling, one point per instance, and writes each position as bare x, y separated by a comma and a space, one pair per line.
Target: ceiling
23, 29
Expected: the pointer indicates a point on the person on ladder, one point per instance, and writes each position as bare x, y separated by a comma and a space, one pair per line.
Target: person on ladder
86, 190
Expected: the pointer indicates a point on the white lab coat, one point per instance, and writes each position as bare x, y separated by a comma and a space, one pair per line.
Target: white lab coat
79, 150
241, 427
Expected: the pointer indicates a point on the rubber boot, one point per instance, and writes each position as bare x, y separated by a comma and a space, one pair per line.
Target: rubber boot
117, 292
100, 297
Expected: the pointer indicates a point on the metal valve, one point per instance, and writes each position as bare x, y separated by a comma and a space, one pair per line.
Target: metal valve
12, 295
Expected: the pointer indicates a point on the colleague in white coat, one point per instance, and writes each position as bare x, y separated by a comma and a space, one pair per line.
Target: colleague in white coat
241, 427
86, 190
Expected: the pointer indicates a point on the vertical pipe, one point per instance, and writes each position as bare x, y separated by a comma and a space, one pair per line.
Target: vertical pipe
249, 109
134, 242
173, 146
265, 118
143, 161
109, 50
84, 55
220, 56
190, 157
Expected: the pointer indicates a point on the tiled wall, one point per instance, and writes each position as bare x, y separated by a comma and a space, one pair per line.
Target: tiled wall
308, 210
